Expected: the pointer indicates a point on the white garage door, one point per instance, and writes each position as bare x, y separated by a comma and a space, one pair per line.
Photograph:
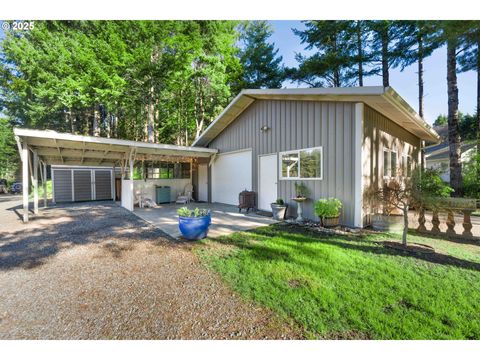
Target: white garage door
231, 174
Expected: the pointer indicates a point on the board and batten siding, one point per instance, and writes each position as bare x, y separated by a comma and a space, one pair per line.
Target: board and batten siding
296, 125
379, 132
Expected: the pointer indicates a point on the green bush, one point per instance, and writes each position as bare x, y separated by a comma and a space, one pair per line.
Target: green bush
430, 184
280, 201
186, 212
471, 178
328, 208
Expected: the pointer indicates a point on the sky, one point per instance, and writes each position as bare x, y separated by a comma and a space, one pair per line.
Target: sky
404, 82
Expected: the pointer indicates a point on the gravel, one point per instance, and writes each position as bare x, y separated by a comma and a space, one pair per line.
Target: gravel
96, 271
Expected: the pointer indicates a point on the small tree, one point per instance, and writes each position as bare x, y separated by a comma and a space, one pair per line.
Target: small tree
395, 195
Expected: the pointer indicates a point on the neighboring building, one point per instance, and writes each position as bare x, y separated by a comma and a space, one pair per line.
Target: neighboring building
437, 157
338, 141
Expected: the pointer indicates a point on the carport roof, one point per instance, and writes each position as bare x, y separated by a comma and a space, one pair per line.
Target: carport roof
55, 148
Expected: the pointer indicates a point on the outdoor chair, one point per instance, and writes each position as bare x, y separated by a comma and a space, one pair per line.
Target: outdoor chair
186, 196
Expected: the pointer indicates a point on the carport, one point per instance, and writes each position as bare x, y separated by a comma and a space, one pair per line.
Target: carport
39, 148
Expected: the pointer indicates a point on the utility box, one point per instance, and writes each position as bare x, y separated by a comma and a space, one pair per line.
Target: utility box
162, 194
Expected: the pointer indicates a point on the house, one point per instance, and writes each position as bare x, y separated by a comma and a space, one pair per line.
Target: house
337, 141
438, 157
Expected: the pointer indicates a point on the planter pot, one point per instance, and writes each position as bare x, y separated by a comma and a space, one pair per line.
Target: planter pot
278, 211
194, 228
391, 223
330, 221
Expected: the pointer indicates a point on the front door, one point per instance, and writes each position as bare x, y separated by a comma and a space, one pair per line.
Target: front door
203, 182
267, 183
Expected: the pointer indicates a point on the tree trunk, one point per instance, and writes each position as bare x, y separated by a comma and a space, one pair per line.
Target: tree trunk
478, 104
96, 121
385, 72
420, 77
360, 53
405, 225
453, 126
151, 118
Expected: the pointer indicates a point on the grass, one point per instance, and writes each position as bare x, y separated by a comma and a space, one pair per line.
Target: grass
354, 287
40, 190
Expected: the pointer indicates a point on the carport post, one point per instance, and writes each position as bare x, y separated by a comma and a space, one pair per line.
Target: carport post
25, 182
35, 183
44, 183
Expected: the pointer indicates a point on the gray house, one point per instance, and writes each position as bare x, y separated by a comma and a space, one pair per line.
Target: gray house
337, 141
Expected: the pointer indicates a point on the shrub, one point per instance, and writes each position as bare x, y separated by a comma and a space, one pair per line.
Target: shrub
328, 208
186, 212
430, 184
471, 178
280, 201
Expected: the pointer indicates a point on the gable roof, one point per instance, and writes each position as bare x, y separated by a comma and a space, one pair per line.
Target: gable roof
384, 100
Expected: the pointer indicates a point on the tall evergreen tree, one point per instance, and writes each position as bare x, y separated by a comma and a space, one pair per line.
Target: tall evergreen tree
385, 34
262, 67
470, 60
331, 64
452, 32
361, 54
417, 40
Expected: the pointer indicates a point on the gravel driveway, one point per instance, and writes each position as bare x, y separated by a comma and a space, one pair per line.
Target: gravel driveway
96, 271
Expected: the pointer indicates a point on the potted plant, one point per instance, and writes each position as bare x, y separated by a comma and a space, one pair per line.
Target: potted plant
193, 224
278, 209
328, 210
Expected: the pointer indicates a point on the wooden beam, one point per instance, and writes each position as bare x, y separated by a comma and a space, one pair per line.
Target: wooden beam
35, 183
25, 182
59, 152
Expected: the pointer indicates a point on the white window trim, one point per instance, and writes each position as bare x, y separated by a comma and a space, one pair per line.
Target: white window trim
390, 151
405, 158
280, 175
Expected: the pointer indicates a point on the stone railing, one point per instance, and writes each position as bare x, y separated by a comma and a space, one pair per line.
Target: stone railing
450, 206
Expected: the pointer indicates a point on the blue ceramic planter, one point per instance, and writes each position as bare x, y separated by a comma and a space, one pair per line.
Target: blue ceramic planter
194, 228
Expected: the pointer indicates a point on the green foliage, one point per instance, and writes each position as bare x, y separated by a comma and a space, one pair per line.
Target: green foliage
139, 80
9, 158
328, 208
260, 61
471, 177
186, 212
331, 62
338, 287
280, 201
441, 120
301, 190
429, 183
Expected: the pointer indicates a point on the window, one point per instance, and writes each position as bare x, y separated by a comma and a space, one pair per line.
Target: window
389, 163
301, 164
407, 165
164, 170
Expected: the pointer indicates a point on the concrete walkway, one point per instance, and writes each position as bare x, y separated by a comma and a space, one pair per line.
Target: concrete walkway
225, 218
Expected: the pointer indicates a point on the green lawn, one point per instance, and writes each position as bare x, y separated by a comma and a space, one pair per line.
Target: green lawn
354, 287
